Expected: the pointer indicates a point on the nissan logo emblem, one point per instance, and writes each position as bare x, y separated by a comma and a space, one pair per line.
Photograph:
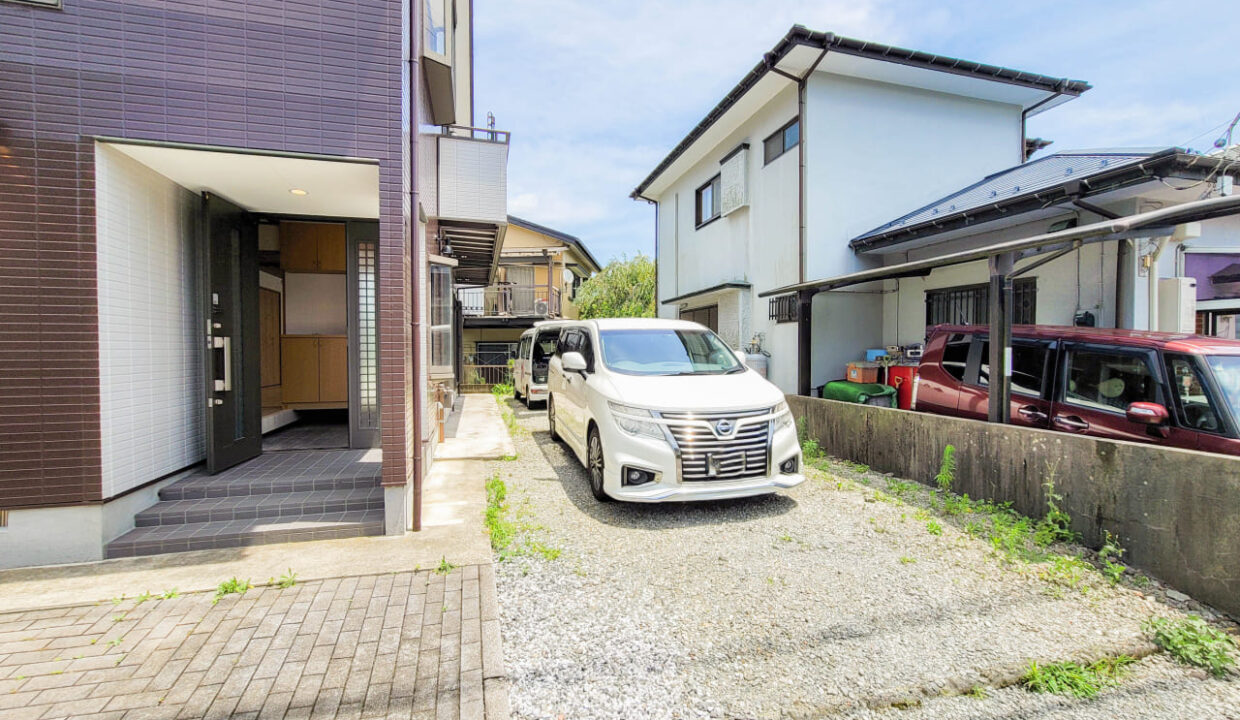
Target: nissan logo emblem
723, 427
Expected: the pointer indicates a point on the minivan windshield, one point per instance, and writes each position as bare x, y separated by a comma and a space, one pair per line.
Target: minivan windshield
1226, 370
666, 351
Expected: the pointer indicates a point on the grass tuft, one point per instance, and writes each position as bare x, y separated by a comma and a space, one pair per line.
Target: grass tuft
444, 566
1192, 641
1074, 679
231, 587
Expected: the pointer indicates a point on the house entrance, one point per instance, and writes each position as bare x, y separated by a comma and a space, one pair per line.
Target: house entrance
291, 351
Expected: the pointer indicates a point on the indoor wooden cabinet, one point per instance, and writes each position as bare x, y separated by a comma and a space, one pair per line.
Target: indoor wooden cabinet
312, 247
315, 371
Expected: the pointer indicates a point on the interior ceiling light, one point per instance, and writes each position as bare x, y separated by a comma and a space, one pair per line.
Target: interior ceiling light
298, 191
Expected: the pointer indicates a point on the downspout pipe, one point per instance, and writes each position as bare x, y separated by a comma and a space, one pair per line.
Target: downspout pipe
416, 249
804, 299
1151, 275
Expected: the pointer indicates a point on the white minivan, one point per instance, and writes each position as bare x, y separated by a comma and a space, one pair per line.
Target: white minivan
529, 368
662, 410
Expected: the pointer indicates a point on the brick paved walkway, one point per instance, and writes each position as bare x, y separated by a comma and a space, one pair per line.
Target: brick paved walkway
403, 645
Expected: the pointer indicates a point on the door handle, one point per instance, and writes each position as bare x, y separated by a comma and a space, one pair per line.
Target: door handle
1030, 412
1070, 422
224, 343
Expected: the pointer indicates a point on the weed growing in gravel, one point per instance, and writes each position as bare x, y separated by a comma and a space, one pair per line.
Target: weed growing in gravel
1114, 571
1056, 525
978, 692
170, 594
502, 529
906, 560
1192, 641
899, 488
286, 581
1075, 680
231, 587
811, 451
947, 469
933, 527
143, 598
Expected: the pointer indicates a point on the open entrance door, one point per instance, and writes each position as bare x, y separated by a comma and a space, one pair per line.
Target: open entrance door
229, 266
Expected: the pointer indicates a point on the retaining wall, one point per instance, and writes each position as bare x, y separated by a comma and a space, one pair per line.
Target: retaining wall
1177, 512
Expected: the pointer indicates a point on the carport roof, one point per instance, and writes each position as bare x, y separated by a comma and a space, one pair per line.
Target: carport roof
1057, 178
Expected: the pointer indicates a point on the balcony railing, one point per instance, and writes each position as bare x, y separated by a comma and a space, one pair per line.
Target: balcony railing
537, 301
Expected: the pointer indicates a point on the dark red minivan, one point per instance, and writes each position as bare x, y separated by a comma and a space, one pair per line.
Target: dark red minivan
1167, 388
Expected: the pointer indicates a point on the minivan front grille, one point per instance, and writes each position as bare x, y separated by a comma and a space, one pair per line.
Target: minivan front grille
706, 457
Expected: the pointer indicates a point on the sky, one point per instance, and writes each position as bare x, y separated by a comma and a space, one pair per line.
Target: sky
597, 92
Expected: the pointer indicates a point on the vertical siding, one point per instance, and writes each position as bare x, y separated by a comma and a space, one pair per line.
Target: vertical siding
150, 362
315, 76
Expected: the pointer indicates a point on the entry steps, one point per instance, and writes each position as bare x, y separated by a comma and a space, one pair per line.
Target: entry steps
277, 497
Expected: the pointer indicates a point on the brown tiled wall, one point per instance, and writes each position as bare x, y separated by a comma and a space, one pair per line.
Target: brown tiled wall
317, 77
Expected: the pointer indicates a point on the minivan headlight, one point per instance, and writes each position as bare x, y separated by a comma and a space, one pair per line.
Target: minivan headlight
783, 415
629, 419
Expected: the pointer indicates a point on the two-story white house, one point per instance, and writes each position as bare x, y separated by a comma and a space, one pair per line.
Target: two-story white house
825, 139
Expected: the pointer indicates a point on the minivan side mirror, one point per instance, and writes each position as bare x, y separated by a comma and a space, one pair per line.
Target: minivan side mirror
575, 362
1147, 413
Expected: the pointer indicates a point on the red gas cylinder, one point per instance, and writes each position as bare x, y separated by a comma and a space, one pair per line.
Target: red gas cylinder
901, 378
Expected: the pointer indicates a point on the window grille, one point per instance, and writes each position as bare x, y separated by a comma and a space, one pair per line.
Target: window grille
970, 304
783, 309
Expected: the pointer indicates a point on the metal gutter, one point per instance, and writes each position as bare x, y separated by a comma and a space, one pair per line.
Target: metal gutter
800, 35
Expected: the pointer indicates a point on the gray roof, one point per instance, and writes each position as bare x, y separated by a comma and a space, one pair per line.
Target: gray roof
800, 35
570, 240
1028, 181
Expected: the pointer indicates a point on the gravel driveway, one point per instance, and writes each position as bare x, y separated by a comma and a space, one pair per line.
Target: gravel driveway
822, 602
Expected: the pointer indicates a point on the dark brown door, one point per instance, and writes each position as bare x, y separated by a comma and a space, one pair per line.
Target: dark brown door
708, 316
229, 264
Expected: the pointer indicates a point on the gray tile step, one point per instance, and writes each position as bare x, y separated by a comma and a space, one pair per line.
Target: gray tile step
279, 473
158, 539
275, 505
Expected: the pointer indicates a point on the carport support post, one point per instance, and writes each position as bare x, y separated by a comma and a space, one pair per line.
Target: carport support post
805, 340
1001, 302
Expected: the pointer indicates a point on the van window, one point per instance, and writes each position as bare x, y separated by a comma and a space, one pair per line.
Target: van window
544, 348
1108, 381
1192, 400
1028, 368
956, 355
1226, 369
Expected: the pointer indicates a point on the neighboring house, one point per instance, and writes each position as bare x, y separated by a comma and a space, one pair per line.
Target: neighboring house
213, 220
537, 272
934, 142
824, 139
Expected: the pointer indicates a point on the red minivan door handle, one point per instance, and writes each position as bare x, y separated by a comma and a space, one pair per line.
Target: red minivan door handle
1070, 422
1032, 414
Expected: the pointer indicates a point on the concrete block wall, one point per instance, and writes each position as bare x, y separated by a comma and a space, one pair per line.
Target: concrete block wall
1177, 512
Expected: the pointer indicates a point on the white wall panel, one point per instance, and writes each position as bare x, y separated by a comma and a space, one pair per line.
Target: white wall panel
473, 180
149, 360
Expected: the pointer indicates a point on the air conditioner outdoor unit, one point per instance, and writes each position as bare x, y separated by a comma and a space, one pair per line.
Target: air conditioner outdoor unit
540, 307
1177, 304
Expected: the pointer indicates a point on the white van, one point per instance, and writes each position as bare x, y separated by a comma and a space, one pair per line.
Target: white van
662, 410
529, 368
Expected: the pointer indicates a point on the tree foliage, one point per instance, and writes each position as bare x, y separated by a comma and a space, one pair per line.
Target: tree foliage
625, 288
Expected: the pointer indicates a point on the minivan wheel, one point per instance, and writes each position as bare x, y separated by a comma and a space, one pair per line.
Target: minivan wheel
595, 456
551, 419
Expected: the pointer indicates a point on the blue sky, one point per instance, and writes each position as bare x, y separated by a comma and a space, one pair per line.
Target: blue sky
596, 92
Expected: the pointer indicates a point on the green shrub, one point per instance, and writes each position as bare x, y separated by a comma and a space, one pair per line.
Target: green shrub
947, 469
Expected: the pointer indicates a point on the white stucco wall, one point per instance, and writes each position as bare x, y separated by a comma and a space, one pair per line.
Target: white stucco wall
691, 258
874, 152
